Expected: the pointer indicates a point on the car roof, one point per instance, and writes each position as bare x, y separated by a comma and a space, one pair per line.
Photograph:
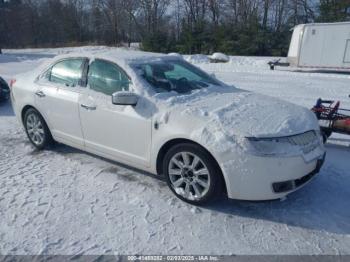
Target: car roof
117, 55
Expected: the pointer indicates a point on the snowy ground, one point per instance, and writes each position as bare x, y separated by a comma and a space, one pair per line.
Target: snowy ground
64, 201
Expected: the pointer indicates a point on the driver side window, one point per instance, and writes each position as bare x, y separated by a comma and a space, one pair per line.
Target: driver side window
107, 78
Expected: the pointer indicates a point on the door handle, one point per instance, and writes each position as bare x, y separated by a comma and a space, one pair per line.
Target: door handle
40, 94
88, 107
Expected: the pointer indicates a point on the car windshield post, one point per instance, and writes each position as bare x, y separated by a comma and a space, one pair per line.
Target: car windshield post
168, 75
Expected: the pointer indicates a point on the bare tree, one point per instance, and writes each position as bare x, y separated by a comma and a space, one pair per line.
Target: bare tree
215, 7
112, 10
257, 27
153, 12
266, 10
279, 14
196, 11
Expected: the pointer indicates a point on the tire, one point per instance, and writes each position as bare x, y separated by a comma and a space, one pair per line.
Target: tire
36, 129
192, 174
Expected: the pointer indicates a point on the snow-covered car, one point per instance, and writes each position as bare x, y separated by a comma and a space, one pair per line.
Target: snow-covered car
4, 90
163, 115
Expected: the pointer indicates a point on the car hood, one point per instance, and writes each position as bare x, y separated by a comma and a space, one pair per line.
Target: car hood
241, 113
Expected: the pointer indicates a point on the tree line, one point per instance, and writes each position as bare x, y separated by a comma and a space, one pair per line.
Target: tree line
238, 27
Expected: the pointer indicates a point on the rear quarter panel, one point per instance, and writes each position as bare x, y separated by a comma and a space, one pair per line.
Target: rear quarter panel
22, 95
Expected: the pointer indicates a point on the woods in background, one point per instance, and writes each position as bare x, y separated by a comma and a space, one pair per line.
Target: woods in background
237, 27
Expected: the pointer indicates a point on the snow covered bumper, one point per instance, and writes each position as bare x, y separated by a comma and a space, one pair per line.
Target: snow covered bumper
267, 178
286, 186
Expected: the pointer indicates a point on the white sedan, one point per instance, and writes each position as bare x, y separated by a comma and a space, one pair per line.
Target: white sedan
162, 115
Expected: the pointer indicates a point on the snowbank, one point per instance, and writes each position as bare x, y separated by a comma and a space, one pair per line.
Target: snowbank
219, 58
197, 59
175, 54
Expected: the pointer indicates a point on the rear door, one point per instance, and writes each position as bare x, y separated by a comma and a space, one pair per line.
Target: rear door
57, 98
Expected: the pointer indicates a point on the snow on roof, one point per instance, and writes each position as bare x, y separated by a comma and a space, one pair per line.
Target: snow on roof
112, 55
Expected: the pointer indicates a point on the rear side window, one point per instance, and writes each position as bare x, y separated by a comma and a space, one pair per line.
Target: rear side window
107, 78
68, 72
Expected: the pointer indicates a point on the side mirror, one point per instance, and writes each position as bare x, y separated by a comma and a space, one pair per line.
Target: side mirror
125, 98
213, 75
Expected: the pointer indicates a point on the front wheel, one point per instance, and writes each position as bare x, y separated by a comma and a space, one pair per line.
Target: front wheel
36, 129
192, 174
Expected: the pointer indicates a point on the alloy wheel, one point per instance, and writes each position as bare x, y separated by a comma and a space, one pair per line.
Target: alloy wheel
189, 176
35, 129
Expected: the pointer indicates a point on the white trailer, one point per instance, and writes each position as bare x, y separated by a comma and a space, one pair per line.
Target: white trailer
319, 46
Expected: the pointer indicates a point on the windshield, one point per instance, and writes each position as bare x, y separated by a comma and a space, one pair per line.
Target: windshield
174, 75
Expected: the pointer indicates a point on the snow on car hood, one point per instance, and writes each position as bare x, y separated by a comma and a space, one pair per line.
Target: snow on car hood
241, 113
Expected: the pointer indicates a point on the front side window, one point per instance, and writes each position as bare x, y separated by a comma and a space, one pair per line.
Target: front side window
68, 72
107, 78
174, 75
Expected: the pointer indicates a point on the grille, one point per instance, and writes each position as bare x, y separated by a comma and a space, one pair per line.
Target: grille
303, 139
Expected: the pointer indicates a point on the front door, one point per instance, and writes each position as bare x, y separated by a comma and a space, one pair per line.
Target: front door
121, 132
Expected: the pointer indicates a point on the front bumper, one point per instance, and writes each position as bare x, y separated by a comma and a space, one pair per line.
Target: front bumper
291, 185
267, 178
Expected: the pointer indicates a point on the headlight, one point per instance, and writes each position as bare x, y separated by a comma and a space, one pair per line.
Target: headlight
288, 145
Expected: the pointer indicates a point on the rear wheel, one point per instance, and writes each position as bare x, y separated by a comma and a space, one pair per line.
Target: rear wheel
36, 129
192, 174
